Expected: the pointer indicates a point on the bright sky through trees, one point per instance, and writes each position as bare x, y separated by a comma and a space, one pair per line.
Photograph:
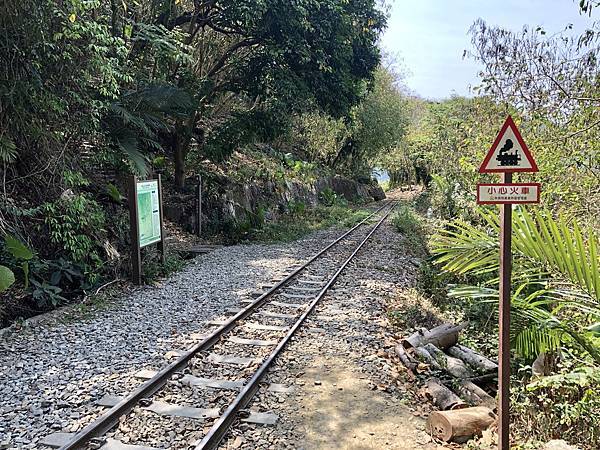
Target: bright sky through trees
430, 36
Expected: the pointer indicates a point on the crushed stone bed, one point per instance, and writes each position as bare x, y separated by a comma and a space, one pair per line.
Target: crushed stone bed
347, 391
52, 373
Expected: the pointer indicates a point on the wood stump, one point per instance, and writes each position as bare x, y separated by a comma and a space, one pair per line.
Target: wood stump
458, 424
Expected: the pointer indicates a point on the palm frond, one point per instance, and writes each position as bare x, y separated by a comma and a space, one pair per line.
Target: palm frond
549, 244
134, 120
128, 144
543, 249
533, 329
463, 248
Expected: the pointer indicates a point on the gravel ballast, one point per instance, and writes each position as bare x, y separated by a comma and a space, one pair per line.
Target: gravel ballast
347, 392
51, 373
335, 385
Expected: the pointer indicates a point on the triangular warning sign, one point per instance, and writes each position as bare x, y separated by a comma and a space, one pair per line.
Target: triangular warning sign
508, 153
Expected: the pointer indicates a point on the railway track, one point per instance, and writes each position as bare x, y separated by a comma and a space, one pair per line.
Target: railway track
259, 331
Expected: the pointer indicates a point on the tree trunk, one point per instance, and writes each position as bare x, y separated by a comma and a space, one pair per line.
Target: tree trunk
459, 424
181, 141
453, 366
179, 157
441, 396
475, 360
443, 336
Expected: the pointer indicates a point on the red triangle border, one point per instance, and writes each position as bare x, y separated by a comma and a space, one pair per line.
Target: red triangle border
509, 122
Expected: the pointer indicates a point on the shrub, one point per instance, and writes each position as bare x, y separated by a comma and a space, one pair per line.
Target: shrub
563, 406
296, 208
406, 221
74, 223
154, 268
328, 197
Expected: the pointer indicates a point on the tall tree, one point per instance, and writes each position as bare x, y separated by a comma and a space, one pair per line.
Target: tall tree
268, 53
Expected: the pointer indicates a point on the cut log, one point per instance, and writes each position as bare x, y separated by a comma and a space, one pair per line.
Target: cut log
453, 366
442, 336
472, 358
441, 396
460, 423
422, 353
474, 394
409, 362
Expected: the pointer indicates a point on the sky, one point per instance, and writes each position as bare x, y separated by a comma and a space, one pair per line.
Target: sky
430, 36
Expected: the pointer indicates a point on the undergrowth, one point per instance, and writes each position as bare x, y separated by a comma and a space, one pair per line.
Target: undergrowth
300, 221
412, 228
564, 405
153, 268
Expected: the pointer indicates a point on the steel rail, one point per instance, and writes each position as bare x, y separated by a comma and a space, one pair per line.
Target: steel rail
221, 426
109, 419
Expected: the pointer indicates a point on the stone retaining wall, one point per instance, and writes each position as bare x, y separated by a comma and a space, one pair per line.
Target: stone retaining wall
226, 203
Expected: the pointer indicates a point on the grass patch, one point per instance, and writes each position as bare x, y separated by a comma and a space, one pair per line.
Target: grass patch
303, 221
413, 229
406, 221
154, 269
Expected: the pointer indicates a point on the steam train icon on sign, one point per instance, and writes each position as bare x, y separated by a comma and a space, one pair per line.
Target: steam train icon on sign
508, 159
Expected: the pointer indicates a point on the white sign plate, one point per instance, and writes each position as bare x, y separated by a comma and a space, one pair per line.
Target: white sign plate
488, 194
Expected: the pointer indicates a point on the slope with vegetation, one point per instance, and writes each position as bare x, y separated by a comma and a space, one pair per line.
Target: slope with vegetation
550, 84
246, 92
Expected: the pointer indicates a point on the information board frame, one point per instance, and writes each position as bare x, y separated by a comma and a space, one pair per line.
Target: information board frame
153, 187
148, 206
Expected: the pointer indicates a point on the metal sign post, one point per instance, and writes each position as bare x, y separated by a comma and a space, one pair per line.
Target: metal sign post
504, 322
508, 154
199, 207
146, 221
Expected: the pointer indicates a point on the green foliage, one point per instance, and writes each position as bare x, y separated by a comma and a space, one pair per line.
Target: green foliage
114, 193
155, 269
443, 197
555, 276
8, 150
406, 221
379, 123
318, 135
328, 197
45, 293
17, 249
412, 228
75, 225
54, 281
134, 121
21, 253
74, 179
296, 208
563, 406
7, 278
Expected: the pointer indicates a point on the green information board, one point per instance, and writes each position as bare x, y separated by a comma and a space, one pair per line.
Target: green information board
148, 212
